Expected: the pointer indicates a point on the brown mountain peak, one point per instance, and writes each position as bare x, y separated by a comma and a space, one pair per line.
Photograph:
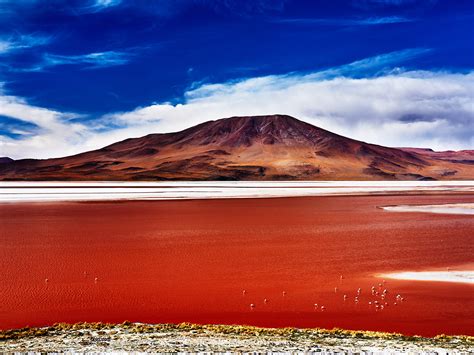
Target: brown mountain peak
248, 130
267, 147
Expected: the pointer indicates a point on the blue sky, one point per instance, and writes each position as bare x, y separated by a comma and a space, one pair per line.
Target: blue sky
77, 75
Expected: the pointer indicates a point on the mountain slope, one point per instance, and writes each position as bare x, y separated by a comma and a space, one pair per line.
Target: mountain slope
275, 147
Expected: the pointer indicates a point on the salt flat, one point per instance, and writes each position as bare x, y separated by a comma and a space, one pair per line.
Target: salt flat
457, 208
177, 190
439, 276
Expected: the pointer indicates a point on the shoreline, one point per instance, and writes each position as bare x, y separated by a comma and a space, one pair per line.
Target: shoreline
89, 191
452, 276
188, 337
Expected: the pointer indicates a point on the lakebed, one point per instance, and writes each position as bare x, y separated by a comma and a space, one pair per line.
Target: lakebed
271, 262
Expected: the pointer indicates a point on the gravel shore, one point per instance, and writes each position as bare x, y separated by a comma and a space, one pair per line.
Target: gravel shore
185, 337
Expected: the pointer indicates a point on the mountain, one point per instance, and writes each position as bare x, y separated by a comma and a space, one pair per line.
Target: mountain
274, 147
460, 156
4, 160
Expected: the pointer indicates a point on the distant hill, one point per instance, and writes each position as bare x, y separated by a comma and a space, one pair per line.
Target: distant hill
274, 147
4, 160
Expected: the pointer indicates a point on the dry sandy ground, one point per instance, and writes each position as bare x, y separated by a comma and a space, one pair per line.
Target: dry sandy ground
136, 337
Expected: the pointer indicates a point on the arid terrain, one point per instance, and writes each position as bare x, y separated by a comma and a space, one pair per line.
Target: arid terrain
275, 147
186, 337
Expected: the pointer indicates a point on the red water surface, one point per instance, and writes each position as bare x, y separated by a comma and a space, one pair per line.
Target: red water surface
175, 261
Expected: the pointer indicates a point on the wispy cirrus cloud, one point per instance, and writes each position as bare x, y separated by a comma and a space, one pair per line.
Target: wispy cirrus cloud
383, 20
379, 65
89, 61
383, 64
376, 64
346, 22
98, 5
367, 4
168, 8
16, 42
106, 3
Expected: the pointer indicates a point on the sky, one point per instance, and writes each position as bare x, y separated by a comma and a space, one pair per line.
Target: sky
79, 75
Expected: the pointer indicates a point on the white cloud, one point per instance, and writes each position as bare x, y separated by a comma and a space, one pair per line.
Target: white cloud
414, 108
18, 42
55, 136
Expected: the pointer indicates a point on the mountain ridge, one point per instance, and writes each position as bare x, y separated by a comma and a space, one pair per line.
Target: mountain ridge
269, 147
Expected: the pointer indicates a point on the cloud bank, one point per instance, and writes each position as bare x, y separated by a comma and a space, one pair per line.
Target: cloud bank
53, 134
393, 108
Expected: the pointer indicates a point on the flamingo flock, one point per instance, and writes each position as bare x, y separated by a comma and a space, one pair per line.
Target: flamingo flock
377, 299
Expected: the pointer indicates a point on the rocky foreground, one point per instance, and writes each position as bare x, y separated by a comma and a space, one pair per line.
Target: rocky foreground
185, 337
